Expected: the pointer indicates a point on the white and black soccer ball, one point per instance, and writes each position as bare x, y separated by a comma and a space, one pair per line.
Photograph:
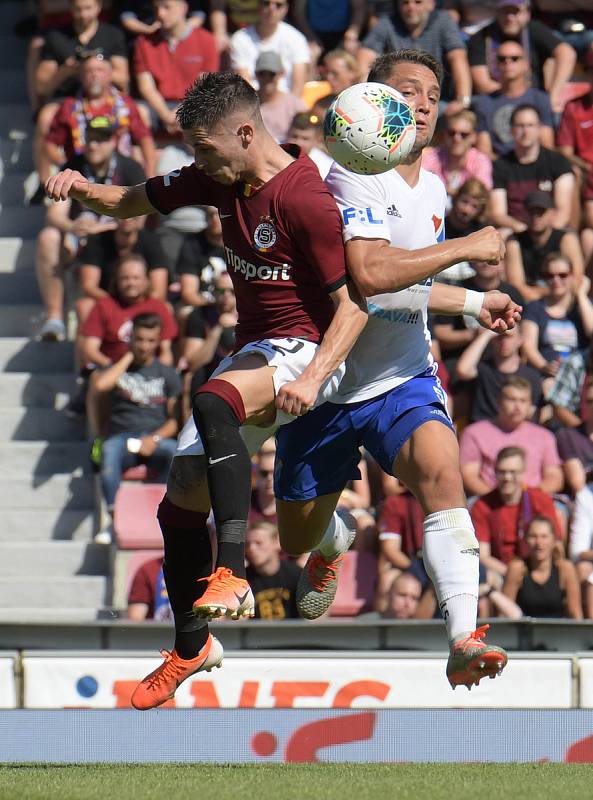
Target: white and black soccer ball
369, 128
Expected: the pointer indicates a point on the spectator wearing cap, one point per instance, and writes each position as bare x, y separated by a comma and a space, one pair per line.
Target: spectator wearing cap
540, 43
481, 441
527, 250
68, 224
57, 74
501, 516
306, 131
529, 167
167, 61
98, 97
488, 361
329, 23
416, 24
575, 443
458, 159
494, 110
271, 32
560, 323
277, 106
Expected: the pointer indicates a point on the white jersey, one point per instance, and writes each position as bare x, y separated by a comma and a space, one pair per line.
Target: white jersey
395, 344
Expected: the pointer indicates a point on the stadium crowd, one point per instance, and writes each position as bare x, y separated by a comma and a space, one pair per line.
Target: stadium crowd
153, 298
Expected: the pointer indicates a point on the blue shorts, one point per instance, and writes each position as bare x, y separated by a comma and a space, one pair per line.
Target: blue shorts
318, 453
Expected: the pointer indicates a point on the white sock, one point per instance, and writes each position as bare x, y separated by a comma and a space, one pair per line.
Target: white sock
451, 558
335, 539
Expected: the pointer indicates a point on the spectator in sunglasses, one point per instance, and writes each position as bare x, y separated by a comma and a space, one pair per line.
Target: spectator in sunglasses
494, 110
457, 159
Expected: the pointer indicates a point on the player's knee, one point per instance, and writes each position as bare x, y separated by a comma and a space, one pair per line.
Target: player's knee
217, 404
444, 483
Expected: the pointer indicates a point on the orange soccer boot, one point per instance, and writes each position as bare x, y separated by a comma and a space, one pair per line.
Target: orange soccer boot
225, 595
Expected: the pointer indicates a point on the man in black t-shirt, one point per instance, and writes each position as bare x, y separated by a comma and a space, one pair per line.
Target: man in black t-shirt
144, 394
529, 168
201, 261
513, 22
527, 250
68, 224
273, 581
102, 251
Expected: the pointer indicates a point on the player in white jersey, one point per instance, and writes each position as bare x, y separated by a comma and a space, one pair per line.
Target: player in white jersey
390, 400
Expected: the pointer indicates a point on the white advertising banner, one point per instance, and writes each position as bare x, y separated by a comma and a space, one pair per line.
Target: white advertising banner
7, 683
586, 682
108, 682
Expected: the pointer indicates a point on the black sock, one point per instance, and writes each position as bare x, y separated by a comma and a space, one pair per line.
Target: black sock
188, 557
229, 476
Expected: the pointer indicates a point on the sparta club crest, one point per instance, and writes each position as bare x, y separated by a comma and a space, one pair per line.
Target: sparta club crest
264, 236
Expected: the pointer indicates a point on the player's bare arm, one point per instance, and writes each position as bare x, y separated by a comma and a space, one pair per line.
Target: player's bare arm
349, 319
377, 267
112, 201
494, 310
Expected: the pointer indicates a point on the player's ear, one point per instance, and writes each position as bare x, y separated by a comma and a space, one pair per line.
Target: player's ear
245, 133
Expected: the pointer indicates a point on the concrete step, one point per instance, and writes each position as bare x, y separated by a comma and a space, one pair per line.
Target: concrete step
58, 559
19, 287
88, 591
12, 190
14, 82
21, 320
17, 253
48, 616
47, 492
13, 50
14, 116
27, 389
16, 157
22, 222
44, 525
38, 459
39, 424
24, 355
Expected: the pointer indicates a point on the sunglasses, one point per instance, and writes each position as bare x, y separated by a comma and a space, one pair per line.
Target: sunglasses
265, 473
549, 276
458, 134
224, 291
503, 59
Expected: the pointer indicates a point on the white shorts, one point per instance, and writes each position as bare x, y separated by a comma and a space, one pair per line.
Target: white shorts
290, 357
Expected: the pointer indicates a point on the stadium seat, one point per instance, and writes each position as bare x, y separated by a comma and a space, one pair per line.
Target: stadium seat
139, 473
134, 516
313, 90
356, 588
125, 565
572, 90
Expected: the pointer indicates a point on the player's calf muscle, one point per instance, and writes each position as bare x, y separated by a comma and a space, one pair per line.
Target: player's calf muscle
187, 485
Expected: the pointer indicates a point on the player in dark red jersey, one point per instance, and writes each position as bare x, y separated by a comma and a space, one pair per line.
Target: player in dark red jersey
297, 321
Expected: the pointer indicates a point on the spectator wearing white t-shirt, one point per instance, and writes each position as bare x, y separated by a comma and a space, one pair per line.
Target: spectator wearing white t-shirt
270, 32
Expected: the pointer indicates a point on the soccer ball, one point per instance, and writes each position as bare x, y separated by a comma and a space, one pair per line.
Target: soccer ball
369, 128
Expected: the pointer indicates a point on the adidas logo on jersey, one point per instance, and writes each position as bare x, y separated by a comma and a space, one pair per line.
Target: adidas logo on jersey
393, 212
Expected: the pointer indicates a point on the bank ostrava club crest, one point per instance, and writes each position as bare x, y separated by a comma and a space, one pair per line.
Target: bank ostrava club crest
264, 236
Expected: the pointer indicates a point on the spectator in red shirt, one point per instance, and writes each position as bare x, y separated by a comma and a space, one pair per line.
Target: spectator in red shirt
168, 61
400, 541
106, 331
148, 598
573, 137
98, 97
501, 516
480, 441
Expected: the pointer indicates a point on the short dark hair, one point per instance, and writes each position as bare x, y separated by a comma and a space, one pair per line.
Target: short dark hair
525, 107
516, 382
213, 97
304, 121
510, 452
129, 257
383, 65
147, 320
541, 518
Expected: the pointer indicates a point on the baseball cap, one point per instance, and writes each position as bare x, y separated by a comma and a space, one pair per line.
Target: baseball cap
269, 61
101, 127
538, 200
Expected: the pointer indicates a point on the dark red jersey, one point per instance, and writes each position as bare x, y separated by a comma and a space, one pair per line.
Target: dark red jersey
283, 246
